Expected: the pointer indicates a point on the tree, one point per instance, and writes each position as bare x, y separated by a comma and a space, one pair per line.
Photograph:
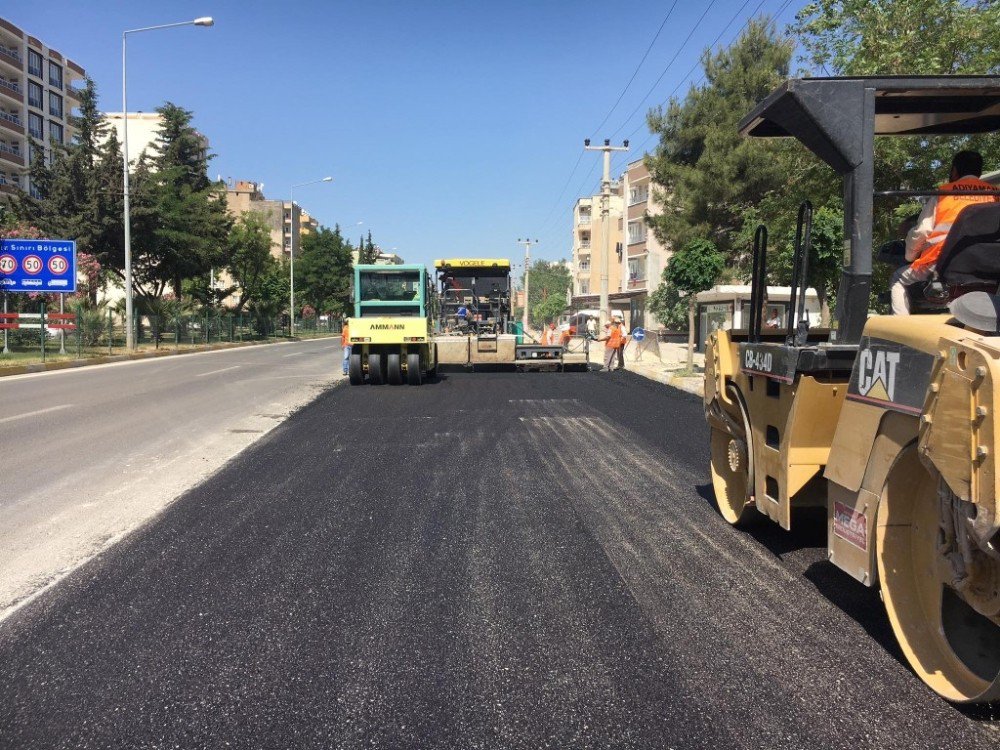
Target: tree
323, 272
548, 284
188, 236
667, 304
692, 269
271, 296
368, 251
248, 247
905, 37
706, 172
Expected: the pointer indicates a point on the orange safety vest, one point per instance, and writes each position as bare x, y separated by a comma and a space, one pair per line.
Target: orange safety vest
946, 212
616, 337
345, 337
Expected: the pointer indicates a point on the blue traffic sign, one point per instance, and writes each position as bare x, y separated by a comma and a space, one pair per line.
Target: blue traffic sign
638, 334
38, 266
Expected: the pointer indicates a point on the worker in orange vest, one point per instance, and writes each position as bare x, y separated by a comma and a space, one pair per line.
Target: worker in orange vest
614, 339
345, 344
550, 336
927, 238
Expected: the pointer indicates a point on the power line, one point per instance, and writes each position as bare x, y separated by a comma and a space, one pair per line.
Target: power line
672, 59
636, 71
563, 191
694, 67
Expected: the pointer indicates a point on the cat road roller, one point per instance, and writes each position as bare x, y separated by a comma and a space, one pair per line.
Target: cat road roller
390, 332
887, 422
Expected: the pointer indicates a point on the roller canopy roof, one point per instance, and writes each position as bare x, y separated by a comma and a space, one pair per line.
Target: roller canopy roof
828, 115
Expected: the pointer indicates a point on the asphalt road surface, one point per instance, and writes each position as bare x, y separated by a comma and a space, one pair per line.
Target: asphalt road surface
488, 561
88, 454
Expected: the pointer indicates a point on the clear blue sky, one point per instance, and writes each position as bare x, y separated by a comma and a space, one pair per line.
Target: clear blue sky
450, 128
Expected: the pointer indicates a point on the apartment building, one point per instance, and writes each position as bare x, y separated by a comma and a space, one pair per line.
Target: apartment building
282, 217
143, 133
37, 98
645, 257
589, 231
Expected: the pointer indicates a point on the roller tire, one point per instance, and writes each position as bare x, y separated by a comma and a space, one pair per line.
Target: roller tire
394, 370
376, 369
954, 649
355, 370
413, 374
732, 470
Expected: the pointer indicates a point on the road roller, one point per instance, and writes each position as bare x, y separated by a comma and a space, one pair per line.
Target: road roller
390, 332
888, 422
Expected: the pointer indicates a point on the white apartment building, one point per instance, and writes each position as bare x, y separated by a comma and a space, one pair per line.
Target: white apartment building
143, 130
645, 257
589, 232
36, 100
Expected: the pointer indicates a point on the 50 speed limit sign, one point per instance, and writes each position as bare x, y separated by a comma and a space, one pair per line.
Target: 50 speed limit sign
32, 264
58, 265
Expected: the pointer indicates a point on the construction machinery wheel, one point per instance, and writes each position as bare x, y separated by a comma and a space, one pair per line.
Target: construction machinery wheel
395, 369
732, 470
355, 371
376, 369
951, 646
413, 374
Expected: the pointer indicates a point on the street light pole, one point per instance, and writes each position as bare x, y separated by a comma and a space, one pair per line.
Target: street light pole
527, 264
291, 250
607, 148
129, 330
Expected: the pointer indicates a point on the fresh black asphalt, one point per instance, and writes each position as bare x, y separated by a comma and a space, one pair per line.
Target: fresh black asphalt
492, 560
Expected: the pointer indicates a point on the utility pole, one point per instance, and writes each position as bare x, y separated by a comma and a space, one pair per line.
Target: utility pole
527, 263
607, 148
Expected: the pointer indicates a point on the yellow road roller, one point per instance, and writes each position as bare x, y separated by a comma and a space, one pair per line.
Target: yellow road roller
889, 422
390, 332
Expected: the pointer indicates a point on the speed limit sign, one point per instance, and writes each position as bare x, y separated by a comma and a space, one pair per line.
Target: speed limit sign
32, 264
37, 265
58, 265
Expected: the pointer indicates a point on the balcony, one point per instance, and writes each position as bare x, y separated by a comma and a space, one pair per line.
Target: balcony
11, 154
584, 219
636, 284
11, 122
11, 89
585, 244
73, 93
11, 56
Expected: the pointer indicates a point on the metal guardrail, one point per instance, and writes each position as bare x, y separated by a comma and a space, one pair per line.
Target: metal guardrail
12, 53
9, 117
4, 147
10, 85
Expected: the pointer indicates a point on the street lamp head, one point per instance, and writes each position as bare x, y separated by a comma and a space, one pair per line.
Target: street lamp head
586, 141
204, 21
327, 179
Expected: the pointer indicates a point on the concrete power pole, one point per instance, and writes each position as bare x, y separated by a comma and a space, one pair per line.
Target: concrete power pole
527, 262
607, 148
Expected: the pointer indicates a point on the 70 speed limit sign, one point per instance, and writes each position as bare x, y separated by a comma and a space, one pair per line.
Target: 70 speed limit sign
37, 265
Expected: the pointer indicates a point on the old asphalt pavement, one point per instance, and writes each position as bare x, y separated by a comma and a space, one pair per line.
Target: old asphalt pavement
488, 561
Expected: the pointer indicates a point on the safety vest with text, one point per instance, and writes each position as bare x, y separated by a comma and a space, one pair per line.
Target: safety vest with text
946, 212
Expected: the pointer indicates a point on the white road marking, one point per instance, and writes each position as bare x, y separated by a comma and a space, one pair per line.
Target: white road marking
35, 413
293, 354
216, 372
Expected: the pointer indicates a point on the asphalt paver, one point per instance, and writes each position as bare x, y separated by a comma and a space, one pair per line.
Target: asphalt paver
492, 560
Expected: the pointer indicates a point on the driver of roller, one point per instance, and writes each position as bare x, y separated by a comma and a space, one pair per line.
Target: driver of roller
925, 241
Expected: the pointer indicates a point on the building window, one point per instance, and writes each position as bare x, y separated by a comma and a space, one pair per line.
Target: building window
35, 94
56, 132
636, 231
55, 75
585, 217
585, 286
637, 269
55, 105
35, 125
638, 194
34, 63
585, 265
